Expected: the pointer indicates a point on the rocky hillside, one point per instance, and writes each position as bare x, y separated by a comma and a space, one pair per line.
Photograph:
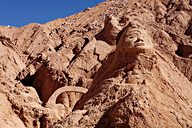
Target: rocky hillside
120, 64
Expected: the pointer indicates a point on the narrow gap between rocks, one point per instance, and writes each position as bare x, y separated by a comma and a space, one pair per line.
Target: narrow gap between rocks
28, 80
86, 41
188, 31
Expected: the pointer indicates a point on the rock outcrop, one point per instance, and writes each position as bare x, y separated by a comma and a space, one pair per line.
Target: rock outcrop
119, 64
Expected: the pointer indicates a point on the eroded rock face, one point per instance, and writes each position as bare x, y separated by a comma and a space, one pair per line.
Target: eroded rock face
11, 62
119, 64
111, 30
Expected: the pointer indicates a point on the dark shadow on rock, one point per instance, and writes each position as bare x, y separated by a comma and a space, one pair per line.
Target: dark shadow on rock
184, 51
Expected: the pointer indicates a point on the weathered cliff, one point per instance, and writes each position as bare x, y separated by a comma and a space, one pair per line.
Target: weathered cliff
122, 63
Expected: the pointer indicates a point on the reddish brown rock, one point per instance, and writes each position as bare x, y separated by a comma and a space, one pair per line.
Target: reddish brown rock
119, 64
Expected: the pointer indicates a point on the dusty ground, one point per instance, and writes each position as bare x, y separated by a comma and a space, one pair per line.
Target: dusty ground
122, 63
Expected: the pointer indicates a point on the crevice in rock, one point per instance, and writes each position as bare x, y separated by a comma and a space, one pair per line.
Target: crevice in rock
57, 48
73, 31
184, 65
79, 82
86, 42
120, 34
188, 31
75, 57
35, 29
8, 43
42, 121
104, 122
184, 51
190, 2
99, 36
98, 55
76, 50
28, 80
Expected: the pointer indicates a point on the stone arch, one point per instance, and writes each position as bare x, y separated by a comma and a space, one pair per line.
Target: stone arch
52, 99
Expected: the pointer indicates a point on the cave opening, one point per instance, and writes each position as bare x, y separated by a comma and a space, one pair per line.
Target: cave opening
28, 80
184, 51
